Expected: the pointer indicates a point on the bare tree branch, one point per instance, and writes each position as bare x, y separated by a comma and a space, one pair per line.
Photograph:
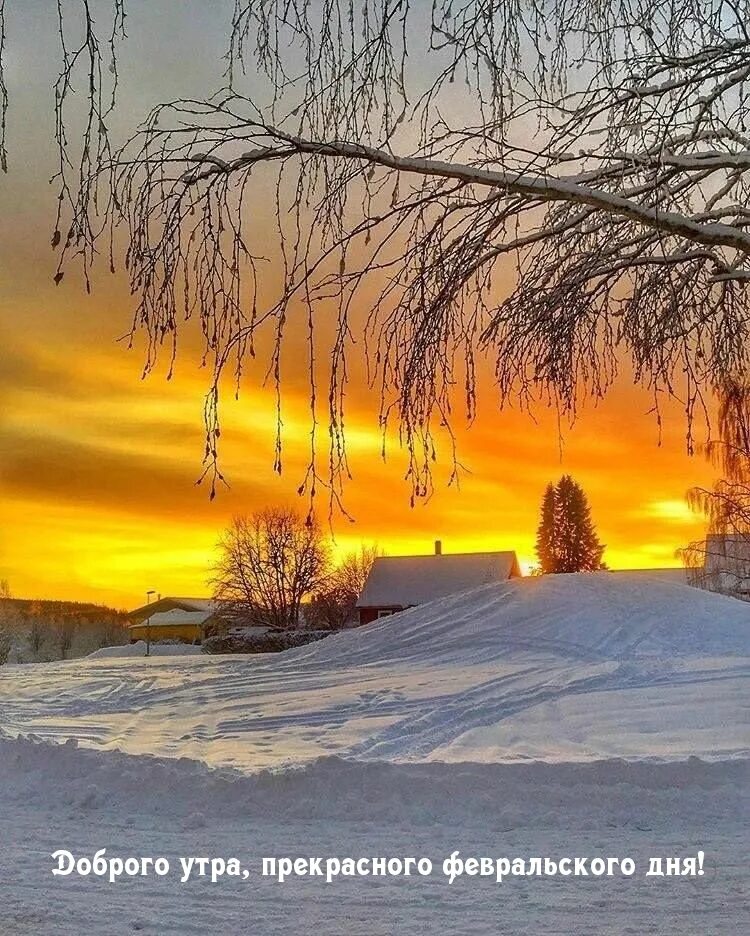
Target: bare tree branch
3, 92
560, 185
721, 561
268, 563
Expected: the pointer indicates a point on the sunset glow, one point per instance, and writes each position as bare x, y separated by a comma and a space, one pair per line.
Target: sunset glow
99, 467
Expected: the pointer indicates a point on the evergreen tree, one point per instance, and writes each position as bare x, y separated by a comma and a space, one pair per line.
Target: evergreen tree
545, 532
566, 538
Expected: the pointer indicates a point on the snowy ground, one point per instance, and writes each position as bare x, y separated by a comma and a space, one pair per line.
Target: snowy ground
580, 716
138, 649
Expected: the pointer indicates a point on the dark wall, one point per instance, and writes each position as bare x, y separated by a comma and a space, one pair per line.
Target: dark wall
368, 615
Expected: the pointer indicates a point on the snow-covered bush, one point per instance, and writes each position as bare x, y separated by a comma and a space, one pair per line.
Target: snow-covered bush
270, 642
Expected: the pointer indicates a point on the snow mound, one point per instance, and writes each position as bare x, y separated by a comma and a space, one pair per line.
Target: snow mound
572, 668
67, 776
138, 649
590, 616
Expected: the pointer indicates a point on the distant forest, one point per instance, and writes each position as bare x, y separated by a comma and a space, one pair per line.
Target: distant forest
42, 631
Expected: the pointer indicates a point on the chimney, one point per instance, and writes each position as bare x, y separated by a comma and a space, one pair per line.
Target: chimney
438, 548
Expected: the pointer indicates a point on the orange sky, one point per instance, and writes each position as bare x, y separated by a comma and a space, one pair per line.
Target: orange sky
98, 467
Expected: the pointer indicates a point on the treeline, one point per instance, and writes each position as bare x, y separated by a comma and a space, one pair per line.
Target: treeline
43, 631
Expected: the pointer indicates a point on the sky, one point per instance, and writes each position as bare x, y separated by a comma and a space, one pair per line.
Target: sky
98, 467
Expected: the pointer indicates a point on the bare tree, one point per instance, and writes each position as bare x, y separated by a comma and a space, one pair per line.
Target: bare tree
38, 629
334, 606
62, 633
268, 563
8, 621
560, 184
5, 644
108, 633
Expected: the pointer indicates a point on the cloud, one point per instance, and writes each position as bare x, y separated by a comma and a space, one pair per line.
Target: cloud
673, 511
59, 470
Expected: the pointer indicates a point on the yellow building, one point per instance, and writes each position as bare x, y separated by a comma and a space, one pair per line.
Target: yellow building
183, 619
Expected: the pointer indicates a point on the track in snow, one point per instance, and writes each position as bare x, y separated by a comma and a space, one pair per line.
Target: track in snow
558, 668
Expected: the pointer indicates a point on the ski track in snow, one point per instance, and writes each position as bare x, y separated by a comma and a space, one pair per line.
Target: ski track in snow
424, 684
571, 715
219, 708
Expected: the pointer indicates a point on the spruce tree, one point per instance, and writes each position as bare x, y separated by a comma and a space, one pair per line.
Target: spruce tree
546, 532
566, 538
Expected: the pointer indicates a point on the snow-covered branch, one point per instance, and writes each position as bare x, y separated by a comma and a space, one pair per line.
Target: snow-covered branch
561, 184
542, 188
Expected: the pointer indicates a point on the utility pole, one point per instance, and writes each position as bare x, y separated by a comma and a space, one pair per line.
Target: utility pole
149, 593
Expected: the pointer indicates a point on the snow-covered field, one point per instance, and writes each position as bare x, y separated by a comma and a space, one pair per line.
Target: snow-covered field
574, 715
138, 649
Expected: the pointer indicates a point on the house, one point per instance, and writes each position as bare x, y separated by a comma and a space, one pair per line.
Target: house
399, 582
184, 619
726, 565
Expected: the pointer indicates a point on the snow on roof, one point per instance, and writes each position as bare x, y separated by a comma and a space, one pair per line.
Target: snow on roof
175, 616
402, 581
199, 604
169, 602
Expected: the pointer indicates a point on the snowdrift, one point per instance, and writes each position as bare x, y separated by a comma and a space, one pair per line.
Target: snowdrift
138, 649
56, 796
558, 669
600, 616
65, 777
